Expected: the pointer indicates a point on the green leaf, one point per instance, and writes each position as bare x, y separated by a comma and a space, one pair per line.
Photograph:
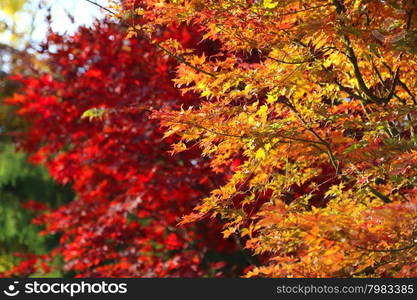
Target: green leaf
356, 146
94, 113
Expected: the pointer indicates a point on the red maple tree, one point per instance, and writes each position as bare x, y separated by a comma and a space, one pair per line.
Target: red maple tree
131, 192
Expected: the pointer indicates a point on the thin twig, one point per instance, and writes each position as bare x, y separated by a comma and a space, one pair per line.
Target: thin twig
158, 45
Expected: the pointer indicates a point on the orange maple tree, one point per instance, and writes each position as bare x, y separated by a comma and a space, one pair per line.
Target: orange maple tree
313, 105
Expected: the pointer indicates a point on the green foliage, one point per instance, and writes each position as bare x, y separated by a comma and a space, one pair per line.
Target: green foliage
20, 182
94, 113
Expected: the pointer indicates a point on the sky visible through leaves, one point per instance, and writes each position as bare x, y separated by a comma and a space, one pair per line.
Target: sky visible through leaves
82, 12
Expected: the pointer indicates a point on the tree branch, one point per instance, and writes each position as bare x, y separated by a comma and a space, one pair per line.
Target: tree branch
379, 195
158, 45
340, 8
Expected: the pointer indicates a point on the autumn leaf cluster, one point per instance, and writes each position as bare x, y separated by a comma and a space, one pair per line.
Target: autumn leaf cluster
313, 105
288, 126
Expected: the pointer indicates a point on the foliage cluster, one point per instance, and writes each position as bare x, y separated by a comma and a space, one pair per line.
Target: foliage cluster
296, 130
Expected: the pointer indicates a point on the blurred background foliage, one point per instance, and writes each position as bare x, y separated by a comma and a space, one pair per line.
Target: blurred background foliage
23, 186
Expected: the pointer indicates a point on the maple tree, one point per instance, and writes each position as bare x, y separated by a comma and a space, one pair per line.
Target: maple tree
312, 104
305, 121
89, 125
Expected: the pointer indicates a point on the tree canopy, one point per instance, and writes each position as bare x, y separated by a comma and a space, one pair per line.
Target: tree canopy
316, 100
292, 129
